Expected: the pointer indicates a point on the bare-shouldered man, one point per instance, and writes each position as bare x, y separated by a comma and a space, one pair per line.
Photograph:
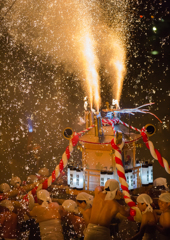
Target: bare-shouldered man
103, 210
149, 220
164, 220
85, 202
47, 214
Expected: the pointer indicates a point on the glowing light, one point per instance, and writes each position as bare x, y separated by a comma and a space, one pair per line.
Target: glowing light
155, 52
154, 29
91, 70
119, 70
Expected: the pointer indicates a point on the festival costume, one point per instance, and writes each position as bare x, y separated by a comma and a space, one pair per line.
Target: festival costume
98, 232
51, 230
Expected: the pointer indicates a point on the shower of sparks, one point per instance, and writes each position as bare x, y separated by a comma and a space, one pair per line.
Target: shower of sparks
92, 76
42, 69
119, 70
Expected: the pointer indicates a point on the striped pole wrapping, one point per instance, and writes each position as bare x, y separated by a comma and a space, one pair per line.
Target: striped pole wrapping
128, 126
116, 121
135, 213
59, 168
121, 172
154, 152
85, 130
110, 121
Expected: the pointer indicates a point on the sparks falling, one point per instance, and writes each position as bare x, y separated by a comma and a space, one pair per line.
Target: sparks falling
91, 67
119, 69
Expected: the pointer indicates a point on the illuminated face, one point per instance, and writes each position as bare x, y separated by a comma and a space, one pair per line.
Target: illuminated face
141, 206
163, 205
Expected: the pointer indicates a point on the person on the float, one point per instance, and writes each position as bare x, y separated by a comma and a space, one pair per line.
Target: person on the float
73, 223
48, 215
85, 201
8, 221
149, 219
164, 219
104, 208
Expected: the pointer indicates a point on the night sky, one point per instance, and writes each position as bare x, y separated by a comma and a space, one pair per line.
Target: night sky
40, 93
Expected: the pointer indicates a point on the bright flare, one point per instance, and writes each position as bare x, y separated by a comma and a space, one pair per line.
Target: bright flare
91, 64
119, 68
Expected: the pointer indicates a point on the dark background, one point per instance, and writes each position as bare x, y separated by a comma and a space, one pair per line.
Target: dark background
45, 97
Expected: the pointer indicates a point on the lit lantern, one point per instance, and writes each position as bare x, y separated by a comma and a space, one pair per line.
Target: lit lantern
72, 177
135, 178
130, 173
127, 176
145, 174
103, 177
150, 173
138, 164
109, 175
68, 175
79, 179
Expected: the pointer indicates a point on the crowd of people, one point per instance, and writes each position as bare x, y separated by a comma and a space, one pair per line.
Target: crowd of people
87, 217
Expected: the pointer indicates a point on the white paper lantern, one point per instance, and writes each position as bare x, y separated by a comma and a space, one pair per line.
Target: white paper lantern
150, 172
138, 164
103, 177
145, 175
130, 173
79, 179
109, 175
72, 177
127, 176
68, 175
135, 179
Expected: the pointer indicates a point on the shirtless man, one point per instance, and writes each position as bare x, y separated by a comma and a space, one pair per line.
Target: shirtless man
47, 214
164, 220
149, 219
85, 201
8, 221
103, 210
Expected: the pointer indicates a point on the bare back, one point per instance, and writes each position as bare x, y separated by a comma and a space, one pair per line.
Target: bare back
104, 210
164, 219
41, 213
150, 221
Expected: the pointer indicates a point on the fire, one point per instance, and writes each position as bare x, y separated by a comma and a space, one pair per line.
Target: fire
91, 65
119, 68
